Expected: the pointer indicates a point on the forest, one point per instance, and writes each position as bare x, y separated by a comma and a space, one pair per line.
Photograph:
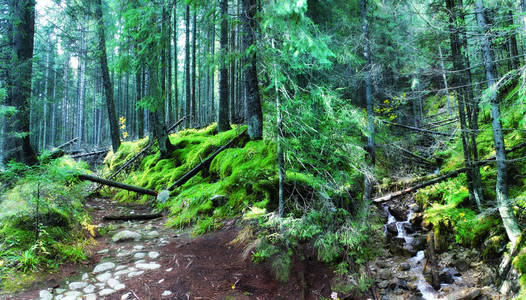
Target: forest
262, 149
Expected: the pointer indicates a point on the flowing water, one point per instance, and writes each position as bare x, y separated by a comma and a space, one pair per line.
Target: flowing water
418, 261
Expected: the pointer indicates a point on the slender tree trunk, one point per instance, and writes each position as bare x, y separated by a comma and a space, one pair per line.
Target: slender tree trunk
22, 13
512, 43
176, 66
506, 212
82, 87
53, 110
65, 98
252, 100
188, 91
170, 112
445, 81
213, 71
222, 116
112, 118
368, 181
194, 67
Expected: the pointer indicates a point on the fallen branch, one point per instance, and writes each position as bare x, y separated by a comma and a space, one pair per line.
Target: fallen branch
432, 124
414, 155
418, 129
440, 178
132, 217
176, 124
441, 124
203, 164
116, 184
68, 143
90, 154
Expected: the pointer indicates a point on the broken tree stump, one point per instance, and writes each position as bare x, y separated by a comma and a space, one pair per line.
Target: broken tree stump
116, 184
432, 261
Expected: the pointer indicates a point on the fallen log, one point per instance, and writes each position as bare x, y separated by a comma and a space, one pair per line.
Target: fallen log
90, 154
203, 164
440, 178
418, 129
131, 217
414, 155
432, 124
68, 143
176, 124
116, 184
441, 124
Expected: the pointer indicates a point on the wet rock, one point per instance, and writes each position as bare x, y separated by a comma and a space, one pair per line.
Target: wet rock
405, 266
461, 264
397, 247
125, 235
466, 294
400, 214
384, 274
153, 254
402, 284
391, 228
409, 228
45, 295
416, 219
383, 284
419, 243
446, 277
152, 234
103, 267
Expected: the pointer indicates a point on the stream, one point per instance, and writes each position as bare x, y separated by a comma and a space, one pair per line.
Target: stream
406, 234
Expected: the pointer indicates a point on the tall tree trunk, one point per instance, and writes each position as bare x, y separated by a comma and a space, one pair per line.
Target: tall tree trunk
213, 81
53, 110
252, 100
65, 98
222, 116
463, 110
194, 67
368, 181
176, 66
18, 147
82, 86
445, 81
112, 118
512, 43
170, 112
508, 218
188, 94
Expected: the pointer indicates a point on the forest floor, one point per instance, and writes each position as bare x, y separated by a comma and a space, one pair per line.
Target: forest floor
155, 262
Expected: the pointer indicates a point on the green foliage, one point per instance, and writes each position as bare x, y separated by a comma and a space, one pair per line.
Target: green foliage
41, 217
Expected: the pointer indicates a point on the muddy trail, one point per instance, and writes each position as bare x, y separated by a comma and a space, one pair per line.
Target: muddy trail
146, 260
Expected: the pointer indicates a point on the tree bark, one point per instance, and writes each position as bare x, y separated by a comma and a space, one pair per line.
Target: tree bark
176, 66
505, 210
252, 100
194, 68
445, 81
22, 13
222, 117
103, 59
368, 178
188, 91
116, 184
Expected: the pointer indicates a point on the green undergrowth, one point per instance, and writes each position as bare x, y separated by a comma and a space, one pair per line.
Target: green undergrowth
42, 220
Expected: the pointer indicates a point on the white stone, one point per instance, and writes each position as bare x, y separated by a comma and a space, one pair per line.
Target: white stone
138, 247
103, 267
106, 292
60, 291
135, 274
104, 277
90, 297
123, 253
153, 254
126, 296
112, 283
45, 295
77, 285
103, 251
166, 293
120, 268
74, 294
139, 255
125, 235
122, 272
70, 297
160, 281
169, 269
89, 289
101, 285
85, 277
119, 287
153, 234
150, 266
59, 297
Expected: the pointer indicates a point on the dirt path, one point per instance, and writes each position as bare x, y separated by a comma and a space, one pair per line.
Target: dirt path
145, 260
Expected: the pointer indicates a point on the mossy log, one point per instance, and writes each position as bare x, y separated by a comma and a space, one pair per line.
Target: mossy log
204, 164
68, 143
176, 124
440, 178
116, 184
425, 131
90, 154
